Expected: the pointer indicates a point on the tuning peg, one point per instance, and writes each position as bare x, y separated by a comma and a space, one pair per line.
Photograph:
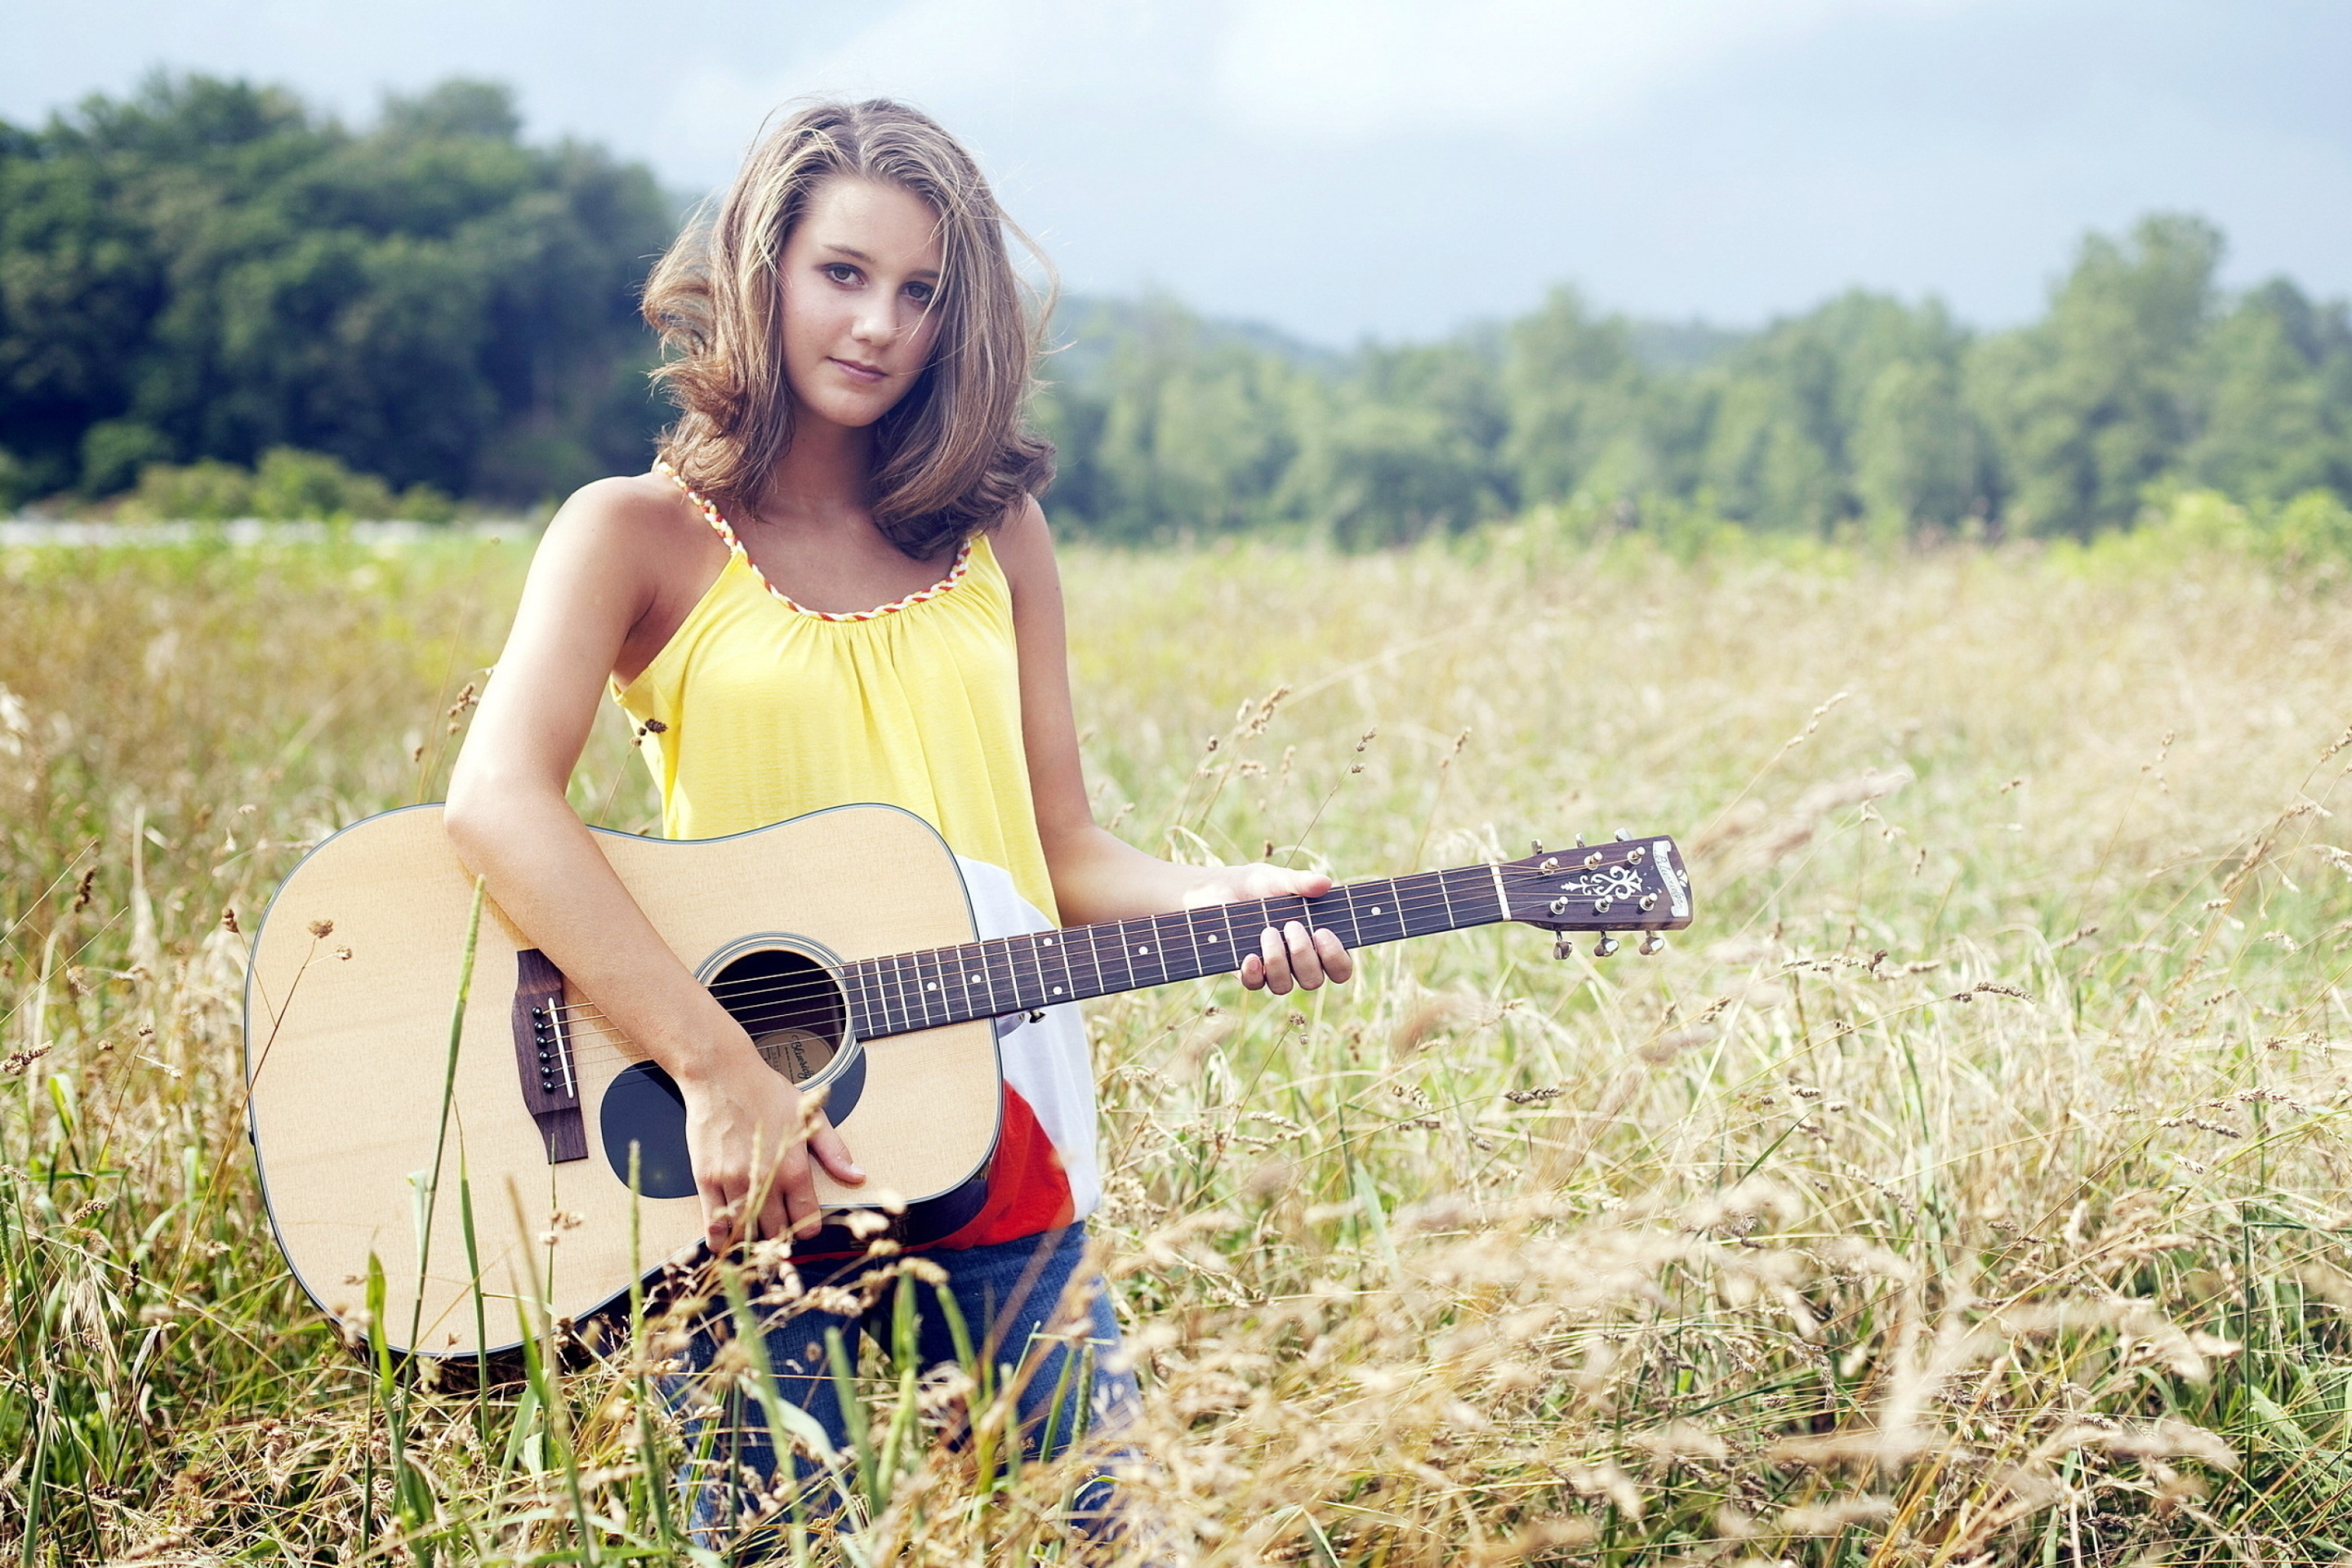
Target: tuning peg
1624, 834
1606, 947
1561, 949
1653, 943
1535, 845
1579, 841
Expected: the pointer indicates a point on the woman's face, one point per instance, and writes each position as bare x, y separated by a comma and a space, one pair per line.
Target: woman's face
861, 275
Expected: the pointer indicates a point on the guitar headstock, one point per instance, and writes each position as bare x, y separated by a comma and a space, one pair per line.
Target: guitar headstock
1632, 884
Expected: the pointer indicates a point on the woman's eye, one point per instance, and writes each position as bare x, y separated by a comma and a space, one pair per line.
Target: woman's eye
841, 273
921, 293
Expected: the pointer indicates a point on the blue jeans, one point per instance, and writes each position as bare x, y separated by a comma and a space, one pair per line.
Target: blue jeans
1006, 1294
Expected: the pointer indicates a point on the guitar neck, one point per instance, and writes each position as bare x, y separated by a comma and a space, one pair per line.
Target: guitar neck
900, 993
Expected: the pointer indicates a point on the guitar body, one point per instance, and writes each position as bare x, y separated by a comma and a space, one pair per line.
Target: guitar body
347, 1045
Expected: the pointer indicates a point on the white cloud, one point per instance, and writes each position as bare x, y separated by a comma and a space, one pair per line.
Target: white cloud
1396, 165
914, 51
1345, 70
986, 62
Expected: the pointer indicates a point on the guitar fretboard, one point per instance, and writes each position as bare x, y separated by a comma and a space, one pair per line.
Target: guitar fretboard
900, 993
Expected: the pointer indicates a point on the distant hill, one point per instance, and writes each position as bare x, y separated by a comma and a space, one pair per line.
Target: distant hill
1087, 328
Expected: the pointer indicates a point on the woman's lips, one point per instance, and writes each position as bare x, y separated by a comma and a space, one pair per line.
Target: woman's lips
864, 374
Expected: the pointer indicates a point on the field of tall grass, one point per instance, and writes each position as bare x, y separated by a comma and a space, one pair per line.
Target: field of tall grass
1966, 1187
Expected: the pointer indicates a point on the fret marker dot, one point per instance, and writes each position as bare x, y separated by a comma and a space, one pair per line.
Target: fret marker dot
1375, 909
1212, 939
934, 985
1046, 940
1143, 950
1057, 991
971, 980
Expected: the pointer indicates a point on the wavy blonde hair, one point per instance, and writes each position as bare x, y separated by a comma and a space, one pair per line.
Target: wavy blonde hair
954, 455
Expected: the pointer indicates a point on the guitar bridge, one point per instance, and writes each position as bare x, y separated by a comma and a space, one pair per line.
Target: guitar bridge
551, 1084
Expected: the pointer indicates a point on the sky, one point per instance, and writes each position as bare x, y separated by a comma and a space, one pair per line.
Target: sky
1345, 168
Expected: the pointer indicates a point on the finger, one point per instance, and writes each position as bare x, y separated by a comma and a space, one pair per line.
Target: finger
825, 1144
1338, 963
1305, 965
719, 1214
1254, 972
1272, 881
802, 1213
784, 1216
775, 1215
1277, 955
761, 1205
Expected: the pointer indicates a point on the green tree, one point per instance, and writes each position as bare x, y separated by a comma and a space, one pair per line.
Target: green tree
1196, 431
1376, 473
2274, 416
1794, 411
1867, 411
206, 270
1576, 397
1407, 442
2089, 406
1918, 458
1763, 463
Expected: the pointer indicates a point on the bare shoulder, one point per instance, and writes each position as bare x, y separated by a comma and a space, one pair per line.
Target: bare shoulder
1024, 547
637, 530
627, 510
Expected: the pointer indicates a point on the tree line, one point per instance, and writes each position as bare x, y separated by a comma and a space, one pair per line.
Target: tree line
209, 271
1865, 417
215, 288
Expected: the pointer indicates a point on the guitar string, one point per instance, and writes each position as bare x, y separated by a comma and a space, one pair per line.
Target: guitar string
576, 1015
746, 989
589, 1026
745, 992
594, 1042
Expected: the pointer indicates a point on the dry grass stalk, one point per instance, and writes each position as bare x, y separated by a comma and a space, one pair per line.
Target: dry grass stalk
1967, 1189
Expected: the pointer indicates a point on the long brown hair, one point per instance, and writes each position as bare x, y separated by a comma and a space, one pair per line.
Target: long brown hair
952, 456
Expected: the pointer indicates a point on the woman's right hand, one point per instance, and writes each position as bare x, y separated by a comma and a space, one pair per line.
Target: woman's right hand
750, 1136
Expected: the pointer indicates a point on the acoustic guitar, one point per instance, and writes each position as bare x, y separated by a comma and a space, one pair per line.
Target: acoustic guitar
844, 942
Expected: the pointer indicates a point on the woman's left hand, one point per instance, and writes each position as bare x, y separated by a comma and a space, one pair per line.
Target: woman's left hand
1288, 955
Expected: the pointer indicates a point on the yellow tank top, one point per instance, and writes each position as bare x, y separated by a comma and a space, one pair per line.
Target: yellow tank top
758, 710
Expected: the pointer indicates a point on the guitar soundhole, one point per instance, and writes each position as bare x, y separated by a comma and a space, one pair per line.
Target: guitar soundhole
790, 1005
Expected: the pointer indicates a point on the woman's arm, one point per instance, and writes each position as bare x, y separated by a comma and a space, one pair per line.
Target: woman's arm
1096, 876
592, 583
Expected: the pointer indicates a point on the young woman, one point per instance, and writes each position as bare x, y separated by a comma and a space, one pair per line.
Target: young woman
836, 586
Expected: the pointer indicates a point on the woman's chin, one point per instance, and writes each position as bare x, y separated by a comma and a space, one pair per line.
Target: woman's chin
848, 413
